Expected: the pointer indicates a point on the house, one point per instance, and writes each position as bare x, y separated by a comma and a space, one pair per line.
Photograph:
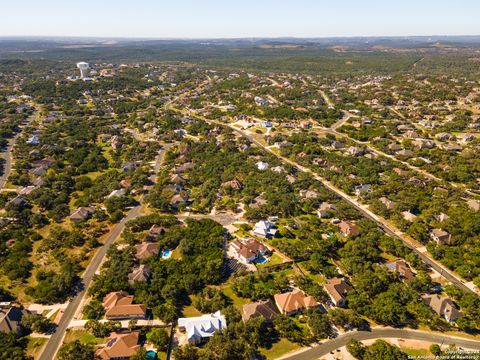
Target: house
141, 273
405, 152
361, 190
232, 184
82, 214
178, 199
440, 236
117, 193
337, 290
119, 305
348, 228
278, 169
444, 307
180, 132
265, 309
442, 217
474, 204
319, 161
183, 168
452, 147
248, 250
400, 172
407, 215
177, 179
394, 147
402, 268
423, 144
337, 145
389, 204
265, 229
128, 166
18, 201
262, 166
145, 250
355, 151
10, 317
258, 201
308, 194
325, 209
119, 346
202, 327
156, 230
293, 302
33, 140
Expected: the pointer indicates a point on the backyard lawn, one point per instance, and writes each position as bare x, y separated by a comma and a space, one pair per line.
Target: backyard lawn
279, 348
84, 337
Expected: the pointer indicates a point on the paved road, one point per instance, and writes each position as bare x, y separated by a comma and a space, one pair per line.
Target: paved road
324, 348
454, 279
326, 98
447, 274
7, 154
56, 339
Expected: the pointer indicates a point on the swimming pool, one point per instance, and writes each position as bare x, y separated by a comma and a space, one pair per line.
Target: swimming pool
261, 260
151, 355
166, 254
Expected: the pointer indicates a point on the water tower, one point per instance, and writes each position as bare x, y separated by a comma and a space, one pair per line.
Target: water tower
83, 67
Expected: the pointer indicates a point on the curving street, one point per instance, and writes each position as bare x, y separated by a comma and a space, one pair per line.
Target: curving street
331, 345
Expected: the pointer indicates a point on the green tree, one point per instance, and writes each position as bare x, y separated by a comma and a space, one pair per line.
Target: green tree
159, 338
187, 352
356, 348
37, 323
94, 310
75, 350
380, 349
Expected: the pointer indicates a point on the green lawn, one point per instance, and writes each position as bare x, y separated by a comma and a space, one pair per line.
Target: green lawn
275, 259
84, 337
190, 311
414, 352
278, 349
35, 345
238, 302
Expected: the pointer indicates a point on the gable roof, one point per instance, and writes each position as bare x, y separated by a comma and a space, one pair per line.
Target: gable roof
266, 309
145, 250
141, 273
10, 318
443, 306
294, 301
337, 288
119, 346
120, 303
203, 326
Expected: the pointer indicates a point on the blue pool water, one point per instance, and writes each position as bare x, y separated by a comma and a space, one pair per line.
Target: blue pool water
151, 355
166, 254
261, 260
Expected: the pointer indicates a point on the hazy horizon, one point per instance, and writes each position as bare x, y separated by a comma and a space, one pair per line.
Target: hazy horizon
213, 19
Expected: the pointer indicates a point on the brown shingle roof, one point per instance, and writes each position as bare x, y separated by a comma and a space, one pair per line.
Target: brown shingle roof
145, 250
294, 301
119, 346
337, 288
120, 304
266, 309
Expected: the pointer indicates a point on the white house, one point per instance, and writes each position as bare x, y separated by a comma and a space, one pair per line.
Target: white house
262, 166
265, 229
202, 327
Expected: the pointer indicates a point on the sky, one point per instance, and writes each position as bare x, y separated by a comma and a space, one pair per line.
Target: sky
235, 19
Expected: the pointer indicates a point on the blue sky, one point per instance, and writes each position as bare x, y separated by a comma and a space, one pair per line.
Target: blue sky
245, 18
